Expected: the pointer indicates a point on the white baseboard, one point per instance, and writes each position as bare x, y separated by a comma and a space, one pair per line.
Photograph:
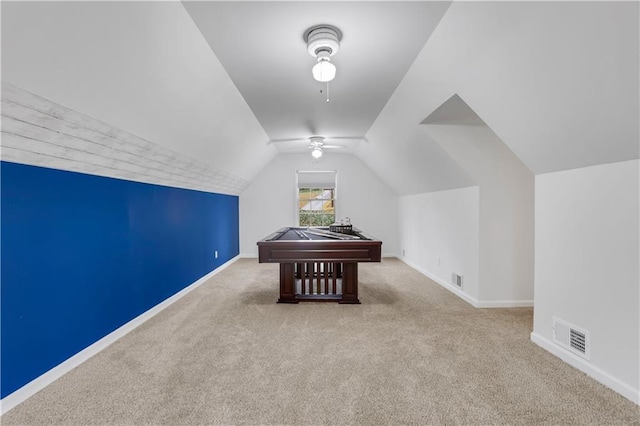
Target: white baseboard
464, 296
504, 304
255, 255
588, 368
470, 300
40, 382
473, 302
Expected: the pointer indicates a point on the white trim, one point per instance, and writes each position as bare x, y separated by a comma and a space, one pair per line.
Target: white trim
586, 367
335, 192
470, 300
42, 381
255, 256
464, 296
504, 304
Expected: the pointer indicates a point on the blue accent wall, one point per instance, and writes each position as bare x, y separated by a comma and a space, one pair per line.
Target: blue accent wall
82, 255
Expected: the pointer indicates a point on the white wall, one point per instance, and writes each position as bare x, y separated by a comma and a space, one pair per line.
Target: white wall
506, 212
587, 267
269, 202
538, 73
439, 236
142, 67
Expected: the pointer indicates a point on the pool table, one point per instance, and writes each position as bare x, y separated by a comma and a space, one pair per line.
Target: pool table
317, 264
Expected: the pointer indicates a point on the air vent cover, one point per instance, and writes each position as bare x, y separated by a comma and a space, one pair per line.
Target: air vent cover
456, 279
571, 338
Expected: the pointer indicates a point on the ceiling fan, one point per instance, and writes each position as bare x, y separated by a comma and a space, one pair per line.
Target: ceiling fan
317, 143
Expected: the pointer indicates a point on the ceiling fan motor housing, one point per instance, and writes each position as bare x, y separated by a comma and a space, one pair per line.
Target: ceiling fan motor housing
322, 38
316, 141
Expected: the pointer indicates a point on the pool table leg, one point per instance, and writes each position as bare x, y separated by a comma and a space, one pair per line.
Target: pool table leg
350, 283
287, 283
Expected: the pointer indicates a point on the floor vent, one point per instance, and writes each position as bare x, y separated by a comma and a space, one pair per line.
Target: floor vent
457, 280
571, 338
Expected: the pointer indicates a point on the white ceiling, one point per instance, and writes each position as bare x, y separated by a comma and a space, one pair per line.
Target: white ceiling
557, 82
140, 66
454, 111
261, 46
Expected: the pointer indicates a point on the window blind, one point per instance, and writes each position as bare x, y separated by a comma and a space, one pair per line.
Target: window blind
316, 179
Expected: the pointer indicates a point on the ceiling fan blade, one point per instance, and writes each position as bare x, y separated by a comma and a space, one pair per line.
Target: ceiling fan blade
314, 142
311, 127
345, 138
288, 140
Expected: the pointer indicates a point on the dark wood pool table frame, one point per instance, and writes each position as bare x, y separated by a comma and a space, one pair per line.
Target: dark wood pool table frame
339, 259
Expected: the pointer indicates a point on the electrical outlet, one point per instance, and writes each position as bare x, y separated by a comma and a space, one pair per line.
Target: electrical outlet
215, 254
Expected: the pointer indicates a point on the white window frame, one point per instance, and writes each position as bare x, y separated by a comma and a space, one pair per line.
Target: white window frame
297, 192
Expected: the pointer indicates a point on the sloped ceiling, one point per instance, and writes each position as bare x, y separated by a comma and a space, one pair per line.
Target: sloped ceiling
454, 111
220, 81
261, 46
142, 67
556, 81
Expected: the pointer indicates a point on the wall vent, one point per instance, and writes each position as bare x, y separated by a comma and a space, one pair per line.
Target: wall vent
571, 338
456, 280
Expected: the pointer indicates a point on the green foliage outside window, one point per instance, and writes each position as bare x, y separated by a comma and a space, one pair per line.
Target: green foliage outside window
312, 219
316, 206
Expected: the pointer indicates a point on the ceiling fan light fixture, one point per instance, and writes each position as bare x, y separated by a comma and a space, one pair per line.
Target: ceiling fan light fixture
324, 70
323, 41
316, 153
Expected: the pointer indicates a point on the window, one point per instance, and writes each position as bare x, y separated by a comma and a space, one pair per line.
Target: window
316, 200
316, 206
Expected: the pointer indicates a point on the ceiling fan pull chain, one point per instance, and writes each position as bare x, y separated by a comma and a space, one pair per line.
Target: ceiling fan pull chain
327, 92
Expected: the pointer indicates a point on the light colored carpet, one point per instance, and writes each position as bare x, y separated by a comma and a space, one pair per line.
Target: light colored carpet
412, 353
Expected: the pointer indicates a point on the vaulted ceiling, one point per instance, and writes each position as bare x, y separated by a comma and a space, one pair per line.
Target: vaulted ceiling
262, 48
229, 83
